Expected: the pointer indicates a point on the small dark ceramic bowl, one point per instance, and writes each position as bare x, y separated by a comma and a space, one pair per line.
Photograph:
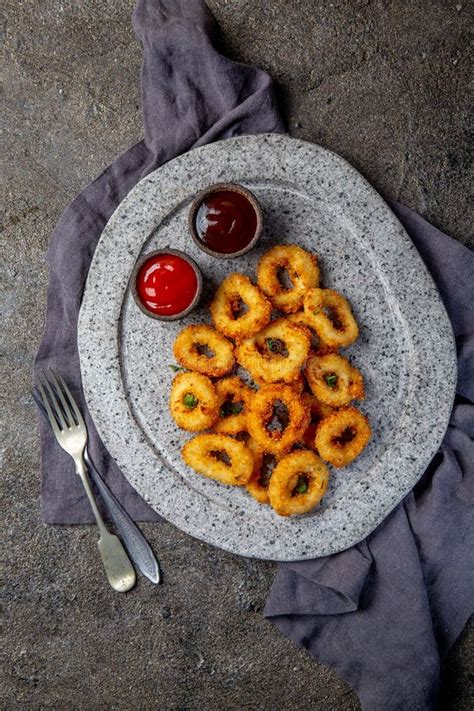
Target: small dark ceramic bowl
133, 284
230, 187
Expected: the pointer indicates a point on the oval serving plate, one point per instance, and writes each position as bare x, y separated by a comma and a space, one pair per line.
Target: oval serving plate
405, 351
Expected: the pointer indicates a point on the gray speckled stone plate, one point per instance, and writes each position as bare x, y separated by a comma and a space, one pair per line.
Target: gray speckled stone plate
405, 351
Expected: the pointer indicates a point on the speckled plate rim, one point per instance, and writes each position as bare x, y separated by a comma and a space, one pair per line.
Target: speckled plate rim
432, 358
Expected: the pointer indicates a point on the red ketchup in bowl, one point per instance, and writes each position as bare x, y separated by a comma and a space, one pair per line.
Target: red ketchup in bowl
226, 221
166, 284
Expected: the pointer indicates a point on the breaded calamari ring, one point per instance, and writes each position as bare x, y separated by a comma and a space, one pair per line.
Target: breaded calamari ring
298, 385
329, 313
219, 457
257, 485
303, 271
276, 354
194, 402
232, 425
318, 346
203, 349
342, 436
264, 424
263, 462
228, 316
318, 411
298, 483
233, 395
333, 380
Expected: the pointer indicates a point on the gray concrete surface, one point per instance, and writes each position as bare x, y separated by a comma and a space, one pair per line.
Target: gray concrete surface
382, 82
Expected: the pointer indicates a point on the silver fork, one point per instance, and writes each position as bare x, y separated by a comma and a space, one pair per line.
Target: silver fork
70, 431
135, 543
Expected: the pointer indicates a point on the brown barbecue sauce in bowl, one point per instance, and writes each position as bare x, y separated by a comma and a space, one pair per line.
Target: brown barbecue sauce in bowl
225, 220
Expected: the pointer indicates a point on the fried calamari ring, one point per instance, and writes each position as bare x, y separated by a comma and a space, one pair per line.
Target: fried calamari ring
318, 346
257, 486
203, 349
318, 411
264, 418
298, 385
275, 354
333, 380
329, 313
239, 309
232, 425
303, 272
298, 483
342, 436
194, 402
233, 395
263, 465
219, 457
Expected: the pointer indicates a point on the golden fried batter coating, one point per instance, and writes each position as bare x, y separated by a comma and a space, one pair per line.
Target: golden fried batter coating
333, 380
194, 403
264, 423
318, 346
219, 457
299, 384
276, 354
318, 411
342, 436
273, 435
303, 272
329, 313
264, 464
233, 425
233, 395
239, 309
203, 349
298, 483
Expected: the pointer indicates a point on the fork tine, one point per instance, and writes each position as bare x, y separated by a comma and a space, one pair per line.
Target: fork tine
70, 397
68, 411
49, 412
39, 401
63, 418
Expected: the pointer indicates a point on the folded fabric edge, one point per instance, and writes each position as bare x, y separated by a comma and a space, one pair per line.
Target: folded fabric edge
329, 589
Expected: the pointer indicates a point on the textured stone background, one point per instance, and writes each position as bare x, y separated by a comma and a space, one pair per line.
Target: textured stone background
382, 82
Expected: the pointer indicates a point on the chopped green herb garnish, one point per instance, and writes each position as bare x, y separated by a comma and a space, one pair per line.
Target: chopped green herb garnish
331, 380
190, 401
176, 368
301, 486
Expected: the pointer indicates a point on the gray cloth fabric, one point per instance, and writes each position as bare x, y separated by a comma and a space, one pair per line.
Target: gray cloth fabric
191, 95
384, 612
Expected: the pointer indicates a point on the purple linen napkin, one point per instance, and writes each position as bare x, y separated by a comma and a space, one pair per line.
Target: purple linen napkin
191, 95
383, 612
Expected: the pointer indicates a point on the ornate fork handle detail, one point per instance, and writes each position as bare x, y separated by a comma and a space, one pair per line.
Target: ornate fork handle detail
133, 539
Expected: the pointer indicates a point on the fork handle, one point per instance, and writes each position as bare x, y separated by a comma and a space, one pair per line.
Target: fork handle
133, 539
119, 570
